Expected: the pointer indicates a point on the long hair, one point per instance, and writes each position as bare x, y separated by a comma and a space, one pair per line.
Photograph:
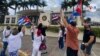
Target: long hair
39, 32
40, 26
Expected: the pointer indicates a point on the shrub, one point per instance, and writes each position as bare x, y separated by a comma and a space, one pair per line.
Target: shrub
53, 29
96, 31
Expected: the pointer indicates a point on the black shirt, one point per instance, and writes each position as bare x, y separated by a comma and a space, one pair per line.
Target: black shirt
87, 34
44, 31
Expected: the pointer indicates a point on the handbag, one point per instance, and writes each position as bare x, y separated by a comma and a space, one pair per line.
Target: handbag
83, 46
42, 45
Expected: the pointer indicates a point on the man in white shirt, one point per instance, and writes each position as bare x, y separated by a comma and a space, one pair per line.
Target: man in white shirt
14, 41
6, 34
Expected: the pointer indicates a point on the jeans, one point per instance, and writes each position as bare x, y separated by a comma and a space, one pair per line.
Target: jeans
61, 43
32, 35
71, 52
5, 44
88, 49
15, 53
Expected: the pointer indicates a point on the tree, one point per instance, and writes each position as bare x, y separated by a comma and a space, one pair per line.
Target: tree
14, 3
3, 10
24, 4
71, 3
43, 4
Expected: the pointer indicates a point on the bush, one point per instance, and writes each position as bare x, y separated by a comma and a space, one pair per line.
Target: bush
96, 31
54, 29
8, 24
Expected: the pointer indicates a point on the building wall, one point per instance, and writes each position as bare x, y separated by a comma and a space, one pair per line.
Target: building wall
11, 19
45, 16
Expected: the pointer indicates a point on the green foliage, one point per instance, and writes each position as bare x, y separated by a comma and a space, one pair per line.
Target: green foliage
54, 29
95, 30
8, 24
70, 3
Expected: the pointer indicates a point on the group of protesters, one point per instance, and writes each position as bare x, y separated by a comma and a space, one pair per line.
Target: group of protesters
12, 40
68, 35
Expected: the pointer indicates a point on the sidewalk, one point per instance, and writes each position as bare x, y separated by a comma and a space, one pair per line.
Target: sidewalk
80, 36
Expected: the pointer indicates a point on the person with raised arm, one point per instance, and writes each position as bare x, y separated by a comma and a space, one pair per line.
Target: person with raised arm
72, 43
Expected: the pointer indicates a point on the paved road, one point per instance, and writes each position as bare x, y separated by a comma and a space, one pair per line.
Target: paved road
53, 49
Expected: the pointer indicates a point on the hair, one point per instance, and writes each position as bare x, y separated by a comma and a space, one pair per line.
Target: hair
39, 32
40, 26
8, 27
14, 31
73, 23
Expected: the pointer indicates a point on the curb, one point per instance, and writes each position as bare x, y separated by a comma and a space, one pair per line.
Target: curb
21, 53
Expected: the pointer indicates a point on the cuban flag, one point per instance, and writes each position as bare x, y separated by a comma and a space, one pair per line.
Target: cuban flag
71, 18
21, 21
75, 13
79, 8
27, 21
24, 20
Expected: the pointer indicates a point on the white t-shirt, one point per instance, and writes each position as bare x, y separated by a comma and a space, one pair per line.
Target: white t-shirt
60, 33
6, 33
14, 42
37, 41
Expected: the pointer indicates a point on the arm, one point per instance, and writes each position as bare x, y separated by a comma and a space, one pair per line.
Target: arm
23, 30
91, 39
82, 20
59, 35
63, 18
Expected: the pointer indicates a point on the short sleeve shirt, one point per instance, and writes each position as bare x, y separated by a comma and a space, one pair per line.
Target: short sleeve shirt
72, 37
87, 34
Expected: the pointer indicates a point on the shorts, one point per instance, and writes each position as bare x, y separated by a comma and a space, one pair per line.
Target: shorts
88, 49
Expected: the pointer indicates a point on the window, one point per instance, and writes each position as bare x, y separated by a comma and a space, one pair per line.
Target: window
7, 20
13, 20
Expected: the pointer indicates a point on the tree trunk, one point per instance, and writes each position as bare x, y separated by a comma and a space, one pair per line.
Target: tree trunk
37, 8
30, 7
15, 11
